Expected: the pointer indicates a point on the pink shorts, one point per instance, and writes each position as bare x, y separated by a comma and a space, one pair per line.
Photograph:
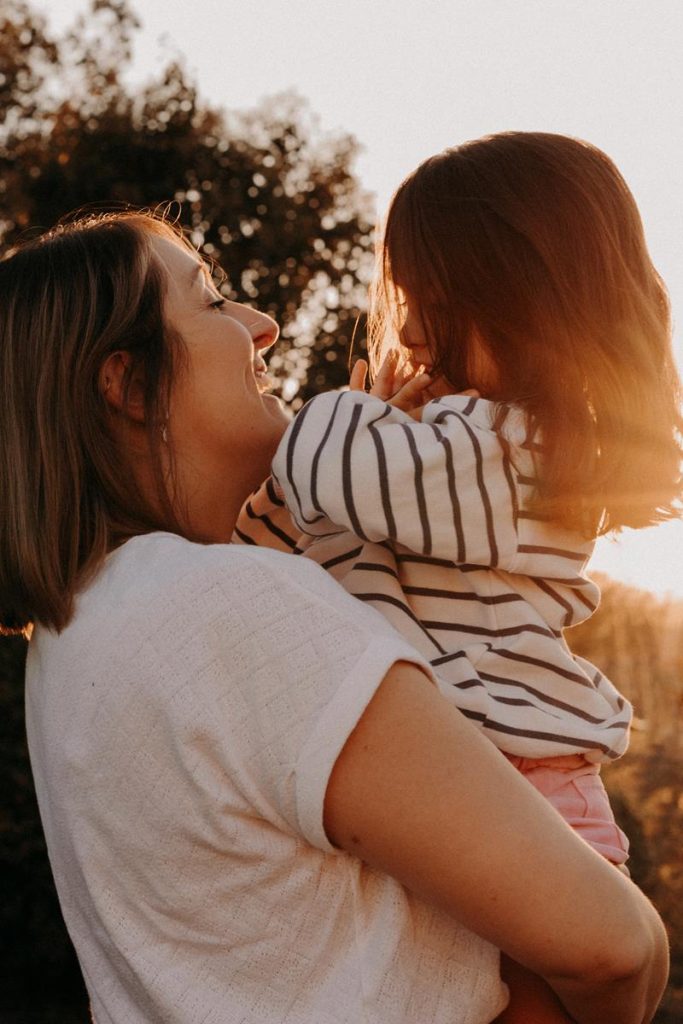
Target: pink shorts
574, 787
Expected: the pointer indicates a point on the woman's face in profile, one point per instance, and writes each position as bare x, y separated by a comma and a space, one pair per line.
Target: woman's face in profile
220, 400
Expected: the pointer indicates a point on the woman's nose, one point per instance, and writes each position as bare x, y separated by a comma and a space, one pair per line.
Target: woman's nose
264, 332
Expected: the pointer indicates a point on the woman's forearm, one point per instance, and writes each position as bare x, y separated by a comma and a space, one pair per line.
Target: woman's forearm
418, 793
631, 999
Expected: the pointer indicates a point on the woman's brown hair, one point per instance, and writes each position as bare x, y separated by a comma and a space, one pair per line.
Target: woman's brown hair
68, 300
531, 245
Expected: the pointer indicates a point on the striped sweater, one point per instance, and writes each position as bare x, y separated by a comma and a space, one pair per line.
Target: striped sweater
427, 521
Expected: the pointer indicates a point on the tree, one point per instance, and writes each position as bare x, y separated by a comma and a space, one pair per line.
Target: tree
26, 56
266, 194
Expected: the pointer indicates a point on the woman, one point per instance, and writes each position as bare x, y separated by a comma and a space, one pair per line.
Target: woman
257, 807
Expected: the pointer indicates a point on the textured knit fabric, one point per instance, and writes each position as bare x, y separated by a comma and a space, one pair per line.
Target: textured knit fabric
429, 523
182, 732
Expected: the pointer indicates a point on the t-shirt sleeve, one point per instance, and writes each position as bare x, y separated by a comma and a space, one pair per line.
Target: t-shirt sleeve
290, 662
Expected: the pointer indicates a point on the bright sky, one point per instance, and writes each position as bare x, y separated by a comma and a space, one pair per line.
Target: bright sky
409, 78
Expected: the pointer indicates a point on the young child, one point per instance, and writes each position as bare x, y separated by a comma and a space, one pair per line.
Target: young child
516, 266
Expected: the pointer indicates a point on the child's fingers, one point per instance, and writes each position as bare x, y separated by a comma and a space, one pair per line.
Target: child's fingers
358, 375
384, 383
412, 393
403, 373
438, 388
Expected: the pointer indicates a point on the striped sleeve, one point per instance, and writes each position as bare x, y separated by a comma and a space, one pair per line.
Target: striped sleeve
265, 520
440, 487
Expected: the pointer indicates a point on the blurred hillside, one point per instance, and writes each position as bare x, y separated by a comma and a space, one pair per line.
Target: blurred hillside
637, 640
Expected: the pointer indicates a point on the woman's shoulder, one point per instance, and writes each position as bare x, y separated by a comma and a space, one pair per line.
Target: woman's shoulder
166, 609
167, 575
163, 556
162, 596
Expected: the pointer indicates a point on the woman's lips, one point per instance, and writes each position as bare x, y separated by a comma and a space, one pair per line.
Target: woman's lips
263, 381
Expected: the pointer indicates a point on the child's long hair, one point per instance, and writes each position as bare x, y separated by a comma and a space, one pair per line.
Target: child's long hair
532, 245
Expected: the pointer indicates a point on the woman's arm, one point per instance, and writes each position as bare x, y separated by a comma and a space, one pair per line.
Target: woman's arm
418, 793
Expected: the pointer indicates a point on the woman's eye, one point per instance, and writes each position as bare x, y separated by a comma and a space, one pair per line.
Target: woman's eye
218, 304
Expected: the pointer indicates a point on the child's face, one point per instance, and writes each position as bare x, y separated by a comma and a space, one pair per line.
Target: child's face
482, 372
413, 337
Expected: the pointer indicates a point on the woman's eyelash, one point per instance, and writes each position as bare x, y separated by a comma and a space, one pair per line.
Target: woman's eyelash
218, 304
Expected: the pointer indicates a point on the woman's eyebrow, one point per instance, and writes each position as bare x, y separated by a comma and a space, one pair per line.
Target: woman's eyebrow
196, 272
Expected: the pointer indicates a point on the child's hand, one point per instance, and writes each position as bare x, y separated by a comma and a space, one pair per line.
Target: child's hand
401, 386
358, 376
396, 384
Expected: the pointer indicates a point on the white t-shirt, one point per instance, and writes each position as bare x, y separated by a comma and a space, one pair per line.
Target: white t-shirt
182, 731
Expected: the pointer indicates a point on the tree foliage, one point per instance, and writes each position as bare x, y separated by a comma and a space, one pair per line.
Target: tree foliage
265, 194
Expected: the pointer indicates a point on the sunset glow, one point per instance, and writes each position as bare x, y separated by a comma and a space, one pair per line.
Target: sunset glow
651, 559
408, 80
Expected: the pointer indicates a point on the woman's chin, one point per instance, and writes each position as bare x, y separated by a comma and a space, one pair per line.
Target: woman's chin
277, 407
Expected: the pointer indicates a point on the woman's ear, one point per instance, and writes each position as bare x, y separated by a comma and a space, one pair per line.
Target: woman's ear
124, 394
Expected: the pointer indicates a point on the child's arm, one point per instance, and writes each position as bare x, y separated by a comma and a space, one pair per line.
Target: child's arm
439, 487
264, 519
